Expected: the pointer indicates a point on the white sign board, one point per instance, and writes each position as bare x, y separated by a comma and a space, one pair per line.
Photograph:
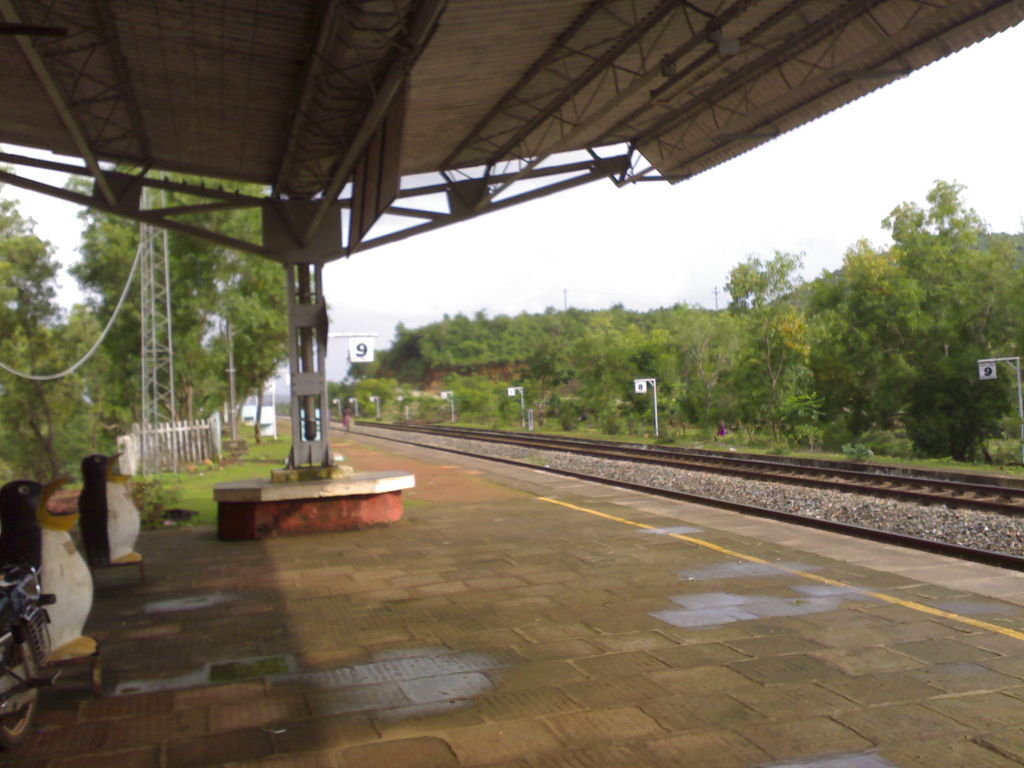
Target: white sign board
639, 386
511, 391
360, 349
986, 369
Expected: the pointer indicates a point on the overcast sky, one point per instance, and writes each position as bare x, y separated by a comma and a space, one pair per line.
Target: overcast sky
814, 191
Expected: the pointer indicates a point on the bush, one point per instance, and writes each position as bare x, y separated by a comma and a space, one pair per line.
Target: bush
611, 423
810, 436
857, 451
891, 444
666, 437
152, 497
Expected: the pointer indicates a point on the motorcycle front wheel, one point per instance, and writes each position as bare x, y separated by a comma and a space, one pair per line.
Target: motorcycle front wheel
16, 725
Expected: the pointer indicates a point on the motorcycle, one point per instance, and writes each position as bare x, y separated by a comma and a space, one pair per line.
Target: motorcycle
24, 645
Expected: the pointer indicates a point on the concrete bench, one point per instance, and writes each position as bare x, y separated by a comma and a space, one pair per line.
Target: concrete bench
258, 509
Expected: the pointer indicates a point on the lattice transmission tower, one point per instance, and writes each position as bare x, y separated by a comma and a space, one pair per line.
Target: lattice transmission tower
157, 348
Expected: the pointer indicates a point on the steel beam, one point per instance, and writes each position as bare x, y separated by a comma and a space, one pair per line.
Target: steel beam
328, 26
59, 102
420, 30
132, 211
586, 172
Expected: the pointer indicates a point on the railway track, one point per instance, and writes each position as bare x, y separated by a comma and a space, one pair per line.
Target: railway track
925, 488
919, 488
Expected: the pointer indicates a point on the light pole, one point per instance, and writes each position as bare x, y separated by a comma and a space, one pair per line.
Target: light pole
640, 387
987, 369
376, 402
337, 404
512, 392
450, 397
355, 405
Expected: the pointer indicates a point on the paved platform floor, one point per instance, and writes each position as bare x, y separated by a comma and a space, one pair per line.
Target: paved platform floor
515, 618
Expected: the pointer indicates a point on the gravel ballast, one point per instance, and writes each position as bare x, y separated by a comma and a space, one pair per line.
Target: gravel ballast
963, 527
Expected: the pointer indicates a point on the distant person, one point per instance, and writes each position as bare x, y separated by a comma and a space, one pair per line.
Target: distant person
722, 431
346, 418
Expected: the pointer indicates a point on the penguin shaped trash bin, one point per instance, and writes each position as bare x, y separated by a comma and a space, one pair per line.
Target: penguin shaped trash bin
32, 535
110, 520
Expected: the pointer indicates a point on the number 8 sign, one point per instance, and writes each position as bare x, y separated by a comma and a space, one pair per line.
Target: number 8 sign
986, 369
360, 349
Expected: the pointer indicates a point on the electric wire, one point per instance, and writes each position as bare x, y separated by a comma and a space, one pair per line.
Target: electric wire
96, 344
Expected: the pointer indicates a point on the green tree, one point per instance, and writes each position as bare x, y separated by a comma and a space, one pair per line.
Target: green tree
773, 364
210, 286
966, 310
47, 425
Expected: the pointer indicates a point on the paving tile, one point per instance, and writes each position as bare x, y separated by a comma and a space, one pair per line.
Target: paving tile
605, 725
809, 737
329, 758
426, 720
562, 649
212, 694
962, 677
705, 654
707, 679
154, 729
633, 641
621, 664
258, 712
792, 701
617, 690
773, 645
214, 749
696, 711
881, 688
532, 702
1008, 742
496, 742
605, 756
420, 752
896, 724
708, 749
538, 674
1012, 666
144, 757
932, 753
793, 668
321, 733
943, 651
126, 706
863, 661
981, 710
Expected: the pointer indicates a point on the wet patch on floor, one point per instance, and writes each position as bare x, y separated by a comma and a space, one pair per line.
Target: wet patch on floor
744, 569
228, 670
397, 685
193, 603
680, 529
837, 761
712, 609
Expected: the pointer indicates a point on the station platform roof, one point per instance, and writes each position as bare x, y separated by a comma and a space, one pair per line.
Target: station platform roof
306, 97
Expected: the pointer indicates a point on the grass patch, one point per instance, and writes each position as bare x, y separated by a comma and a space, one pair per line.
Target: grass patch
193, 488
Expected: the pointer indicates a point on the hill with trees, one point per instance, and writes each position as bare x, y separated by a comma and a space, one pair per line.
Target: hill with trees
882, 351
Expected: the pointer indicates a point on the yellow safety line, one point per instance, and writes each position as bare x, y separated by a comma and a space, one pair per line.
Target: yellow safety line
1018, 635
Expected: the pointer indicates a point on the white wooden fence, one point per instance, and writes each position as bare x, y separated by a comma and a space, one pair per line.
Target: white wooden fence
170, 446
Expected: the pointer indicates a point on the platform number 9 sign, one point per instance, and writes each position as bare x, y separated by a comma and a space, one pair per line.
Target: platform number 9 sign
360, 350
986, 370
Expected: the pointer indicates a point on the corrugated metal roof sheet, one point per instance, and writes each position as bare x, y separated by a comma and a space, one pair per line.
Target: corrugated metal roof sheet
276, 92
